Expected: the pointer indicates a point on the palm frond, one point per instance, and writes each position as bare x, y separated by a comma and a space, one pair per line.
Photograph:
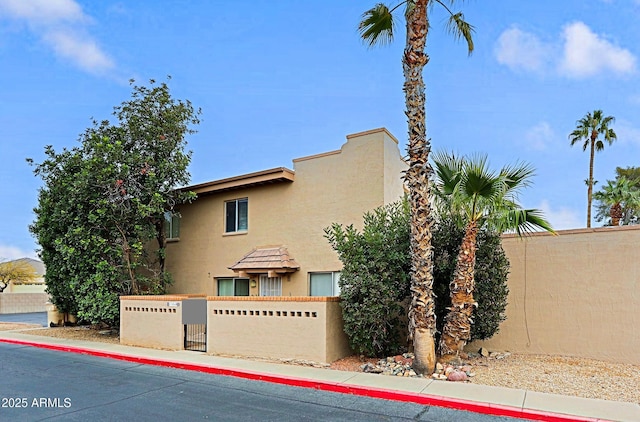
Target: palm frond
448, 171
377, 25
459, 28
518, 175
523, 222
479, 180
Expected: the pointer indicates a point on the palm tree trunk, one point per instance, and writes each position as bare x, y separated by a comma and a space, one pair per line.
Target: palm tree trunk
422, 319
615, 212
590, 183
457, 323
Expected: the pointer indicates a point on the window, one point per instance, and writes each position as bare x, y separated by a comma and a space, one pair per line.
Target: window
171, 225
270, 286
324, 284
236, 215
233, 287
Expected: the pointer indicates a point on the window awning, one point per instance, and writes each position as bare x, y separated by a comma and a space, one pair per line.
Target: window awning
272, 260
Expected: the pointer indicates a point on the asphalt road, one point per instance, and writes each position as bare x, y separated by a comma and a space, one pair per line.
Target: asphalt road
39, 384
29, 318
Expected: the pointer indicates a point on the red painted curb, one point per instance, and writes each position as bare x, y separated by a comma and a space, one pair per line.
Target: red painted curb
379, 393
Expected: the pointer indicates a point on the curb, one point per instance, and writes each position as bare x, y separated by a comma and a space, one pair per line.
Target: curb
379, 393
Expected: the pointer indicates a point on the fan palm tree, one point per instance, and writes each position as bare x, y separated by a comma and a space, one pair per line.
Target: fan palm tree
468, 191
618, 196
588, 129
377, 27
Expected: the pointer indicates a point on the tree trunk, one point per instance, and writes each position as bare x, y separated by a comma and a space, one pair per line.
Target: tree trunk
594, 135
422, 319
616, 214
457, 323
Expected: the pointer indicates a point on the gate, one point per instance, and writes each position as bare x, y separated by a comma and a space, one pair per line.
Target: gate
194, 321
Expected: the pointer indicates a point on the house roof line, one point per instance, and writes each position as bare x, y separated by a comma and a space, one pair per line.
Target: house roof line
274, 175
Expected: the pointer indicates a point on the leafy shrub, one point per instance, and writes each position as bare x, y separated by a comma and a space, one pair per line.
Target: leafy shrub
375, 278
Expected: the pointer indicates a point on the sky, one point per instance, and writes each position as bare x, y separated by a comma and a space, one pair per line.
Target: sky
277, 80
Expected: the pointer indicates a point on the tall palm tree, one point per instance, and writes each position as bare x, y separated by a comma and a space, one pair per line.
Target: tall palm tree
588, 129
377, 27
619, 196
468, 191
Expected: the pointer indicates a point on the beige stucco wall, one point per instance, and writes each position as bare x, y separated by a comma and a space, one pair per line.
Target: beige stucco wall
17, 303
337, 186
36, 286
574, 294
308, 328
152, 321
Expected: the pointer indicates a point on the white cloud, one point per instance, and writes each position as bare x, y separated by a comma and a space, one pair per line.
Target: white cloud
587, 53
626, 132
11, 252
539, 136
577, 53
61, 24
85, 52
43, 11
517, 49
562, 218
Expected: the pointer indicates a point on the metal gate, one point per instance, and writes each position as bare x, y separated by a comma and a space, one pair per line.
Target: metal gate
194, 320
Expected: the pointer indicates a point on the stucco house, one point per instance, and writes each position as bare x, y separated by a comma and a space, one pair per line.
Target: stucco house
36, 285
262, 233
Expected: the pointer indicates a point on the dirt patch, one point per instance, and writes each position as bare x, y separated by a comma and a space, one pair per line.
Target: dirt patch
87, 333
9, 326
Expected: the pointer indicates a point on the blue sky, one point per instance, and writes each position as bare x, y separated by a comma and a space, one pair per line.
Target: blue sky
283, 79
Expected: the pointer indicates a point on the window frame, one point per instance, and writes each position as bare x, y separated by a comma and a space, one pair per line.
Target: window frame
335, 280
237, 217
171, 225
234, 280
270, 289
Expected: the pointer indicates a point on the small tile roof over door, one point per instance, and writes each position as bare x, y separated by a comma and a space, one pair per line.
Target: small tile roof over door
266, 259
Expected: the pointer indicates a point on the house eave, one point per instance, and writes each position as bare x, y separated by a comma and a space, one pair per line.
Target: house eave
275, 175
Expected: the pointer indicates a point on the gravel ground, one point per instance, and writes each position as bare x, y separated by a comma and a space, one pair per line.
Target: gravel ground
547, 374
568, 376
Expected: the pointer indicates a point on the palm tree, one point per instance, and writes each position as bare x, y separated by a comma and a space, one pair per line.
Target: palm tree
588, 129
618, 196
376, 27
476, 197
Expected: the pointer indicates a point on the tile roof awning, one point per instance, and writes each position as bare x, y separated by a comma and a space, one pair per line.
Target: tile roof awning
271, 260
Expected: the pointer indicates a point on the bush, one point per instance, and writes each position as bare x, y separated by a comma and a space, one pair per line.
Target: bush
375, 278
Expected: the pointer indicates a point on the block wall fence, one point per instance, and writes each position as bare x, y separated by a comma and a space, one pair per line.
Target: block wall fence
17, 303
308, 328
575, 294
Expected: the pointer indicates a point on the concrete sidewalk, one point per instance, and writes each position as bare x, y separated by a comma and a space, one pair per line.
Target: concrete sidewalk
471, 397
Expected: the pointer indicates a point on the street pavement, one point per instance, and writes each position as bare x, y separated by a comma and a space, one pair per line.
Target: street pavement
57, 386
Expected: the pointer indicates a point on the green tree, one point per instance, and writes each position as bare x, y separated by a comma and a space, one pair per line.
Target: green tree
588, 129
122, 178
374, 283
476, 196
17, 271
620, 199
377, 27
630, 173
